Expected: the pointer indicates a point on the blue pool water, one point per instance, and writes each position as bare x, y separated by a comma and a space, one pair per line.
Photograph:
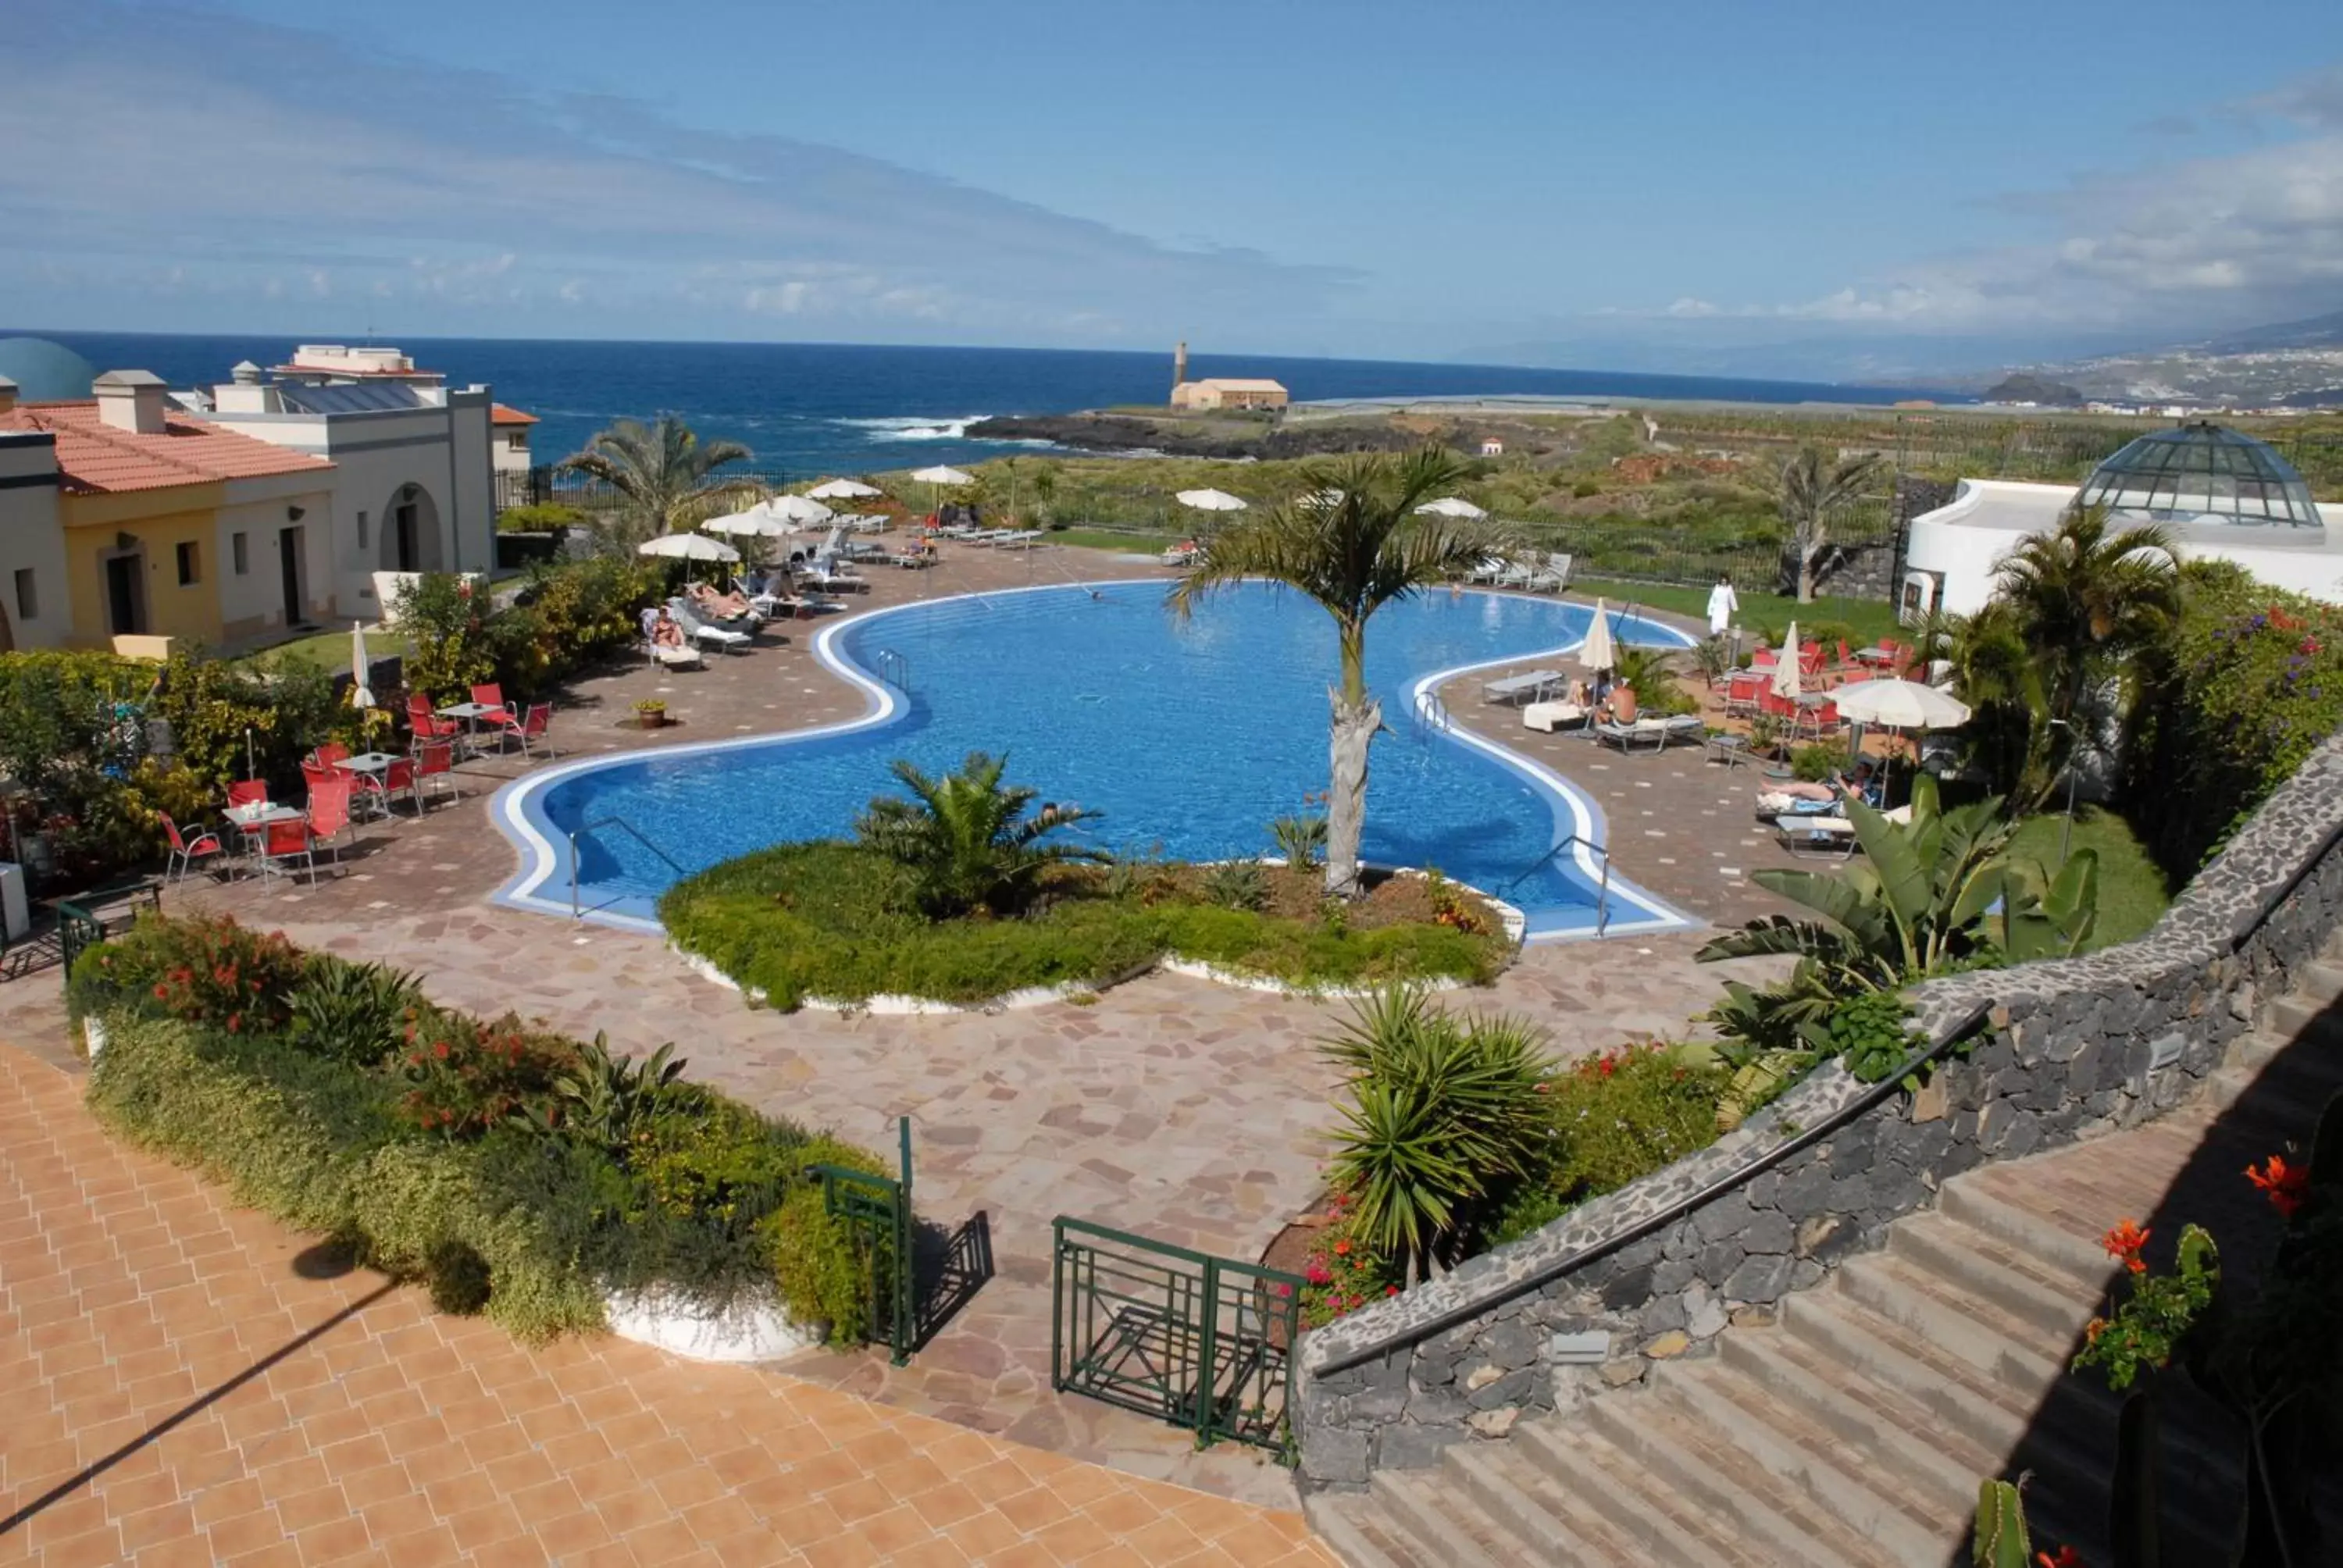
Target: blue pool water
1189, 738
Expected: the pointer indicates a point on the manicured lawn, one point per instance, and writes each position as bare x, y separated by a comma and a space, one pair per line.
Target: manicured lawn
330, 650
1869, 619
2132, 892
1101, 539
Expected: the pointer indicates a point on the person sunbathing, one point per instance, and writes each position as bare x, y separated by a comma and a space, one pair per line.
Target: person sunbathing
719, 606
665, 632
1805, 795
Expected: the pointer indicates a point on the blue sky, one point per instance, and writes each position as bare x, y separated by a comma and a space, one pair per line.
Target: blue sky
1806, 187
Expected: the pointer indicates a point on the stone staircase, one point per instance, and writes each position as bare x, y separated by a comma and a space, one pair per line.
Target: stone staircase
1855, 1430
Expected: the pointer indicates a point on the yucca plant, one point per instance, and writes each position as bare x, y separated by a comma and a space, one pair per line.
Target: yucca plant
354, 1012
1441, 1109
1302, 839
967, 841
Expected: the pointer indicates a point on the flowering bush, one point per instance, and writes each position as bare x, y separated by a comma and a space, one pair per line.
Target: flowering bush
465, 1076
1345, 1272
207, 969
2252, 680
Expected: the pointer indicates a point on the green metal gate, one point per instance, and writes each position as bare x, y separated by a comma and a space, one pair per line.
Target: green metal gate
1198, 1340
879, 1211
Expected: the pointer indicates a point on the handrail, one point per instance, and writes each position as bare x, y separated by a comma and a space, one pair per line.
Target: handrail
1602, 888
1455, 1317
893, 667
575, 912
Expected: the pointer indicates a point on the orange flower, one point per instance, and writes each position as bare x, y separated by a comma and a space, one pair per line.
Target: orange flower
2286, 1186
2124, 1243
1342, 1247
2093, 1330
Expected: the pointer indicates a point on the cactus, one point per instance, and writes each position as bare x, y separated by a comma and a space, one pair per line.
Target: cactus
2001, 1541
2135, 1529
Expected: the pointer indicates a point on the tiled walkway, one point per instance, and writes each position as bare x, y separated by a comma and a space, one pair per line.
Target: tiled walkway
174, 1390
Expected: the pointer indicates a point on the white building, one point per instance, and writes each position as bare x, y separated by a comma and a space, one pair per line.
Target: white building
2219, 495
509, 451
415, 489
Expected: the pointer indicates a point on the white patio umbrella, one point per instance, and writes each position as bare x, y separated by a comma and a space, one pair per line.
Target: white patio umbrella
1901, 705
361, 696
843, 490
1598, 652
1210, 500
1451, 506
937, 477
800, 509
1785, 667
688, 548
757, 522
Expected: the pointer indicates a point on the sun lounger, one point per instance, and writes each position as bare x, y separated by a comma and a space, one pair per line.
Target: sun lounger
1553, 716
1811, 837
1176, 557
1521, 688
701, 631
1657, 732
835, 580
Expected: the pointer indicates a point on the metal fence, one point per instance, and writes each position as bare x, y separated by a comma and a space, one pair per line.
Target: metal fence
549, 484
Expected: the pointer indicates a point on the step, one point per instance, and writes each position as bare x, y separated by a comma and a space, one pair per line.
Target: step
1418, 1503
1985, 1265
1780, 1475
1662, 1527
1500, 1478
1862, 1411
1354, 1526
2319, 981
2016, 1353
2304, 1018
2080, 1258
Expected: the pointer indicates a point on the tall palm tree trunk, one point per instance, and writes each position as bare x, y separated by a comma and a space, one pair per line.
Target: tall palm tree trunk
1357, 716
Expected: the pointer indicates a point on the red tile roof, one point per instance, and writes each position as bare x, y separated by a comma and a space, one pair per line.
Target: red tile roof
504, 415
95, 459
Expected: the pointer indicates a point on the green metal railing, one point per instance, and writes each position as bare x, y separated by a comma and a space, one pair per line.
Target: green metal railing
879, 1211
77, 930
1193, 1339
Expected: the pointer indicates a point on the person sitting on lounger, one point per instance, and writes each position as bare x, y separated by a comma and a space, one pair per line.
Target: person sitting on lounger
665, 632
718, 606
1619, 704
1804, 795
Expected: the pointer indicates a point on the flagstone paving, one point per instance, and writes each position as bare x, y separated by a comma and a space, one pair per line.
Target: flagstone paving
1174, 1108
180, 1390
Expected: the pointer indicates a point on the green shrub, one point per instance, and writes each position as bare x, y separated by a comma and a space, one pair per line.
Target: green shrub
814, 1254
1612, 1120
1816, 762
1237, 885
355, 1012
838, 922
543, 518
465, 1076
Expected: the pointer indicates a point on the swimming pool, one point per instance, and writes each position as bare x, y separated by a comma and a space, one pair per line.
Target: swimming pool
1189, 738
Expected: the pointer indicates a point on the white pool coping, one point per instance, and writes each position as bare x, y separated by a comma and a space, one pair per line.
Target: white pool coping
537, 885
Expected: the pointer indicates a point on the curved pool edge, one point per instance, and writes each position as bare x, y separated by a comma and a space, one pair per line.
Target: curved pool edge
514, 810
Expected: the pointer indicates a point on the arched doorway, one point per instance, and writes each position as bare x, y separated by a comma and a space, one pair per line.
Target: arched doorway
410, 532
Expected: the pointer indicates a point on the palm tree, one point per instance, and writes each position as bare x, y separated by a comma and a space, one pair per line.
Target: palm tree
661, 475
2087, 598
1353, 543
1811, 490
966, 840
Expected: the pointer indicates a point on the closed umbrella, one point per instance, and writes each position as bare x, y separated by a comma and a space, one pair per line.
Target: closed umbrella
843, 490
1598, 652
360, 697
688, 548
1785, 667
1210, 500
1451, 506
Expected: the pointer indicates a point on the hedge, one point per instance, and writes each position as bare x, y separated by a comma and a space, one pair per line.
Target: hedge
515, 1206
837, 922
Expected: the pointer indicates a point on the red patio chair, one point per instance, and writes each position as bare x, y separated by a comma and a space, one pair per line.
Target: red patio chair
1742, 689
187, 851
533, 727
248, 792
437, 761
428, 724
315, 774
282, 843
329, 810
492, 698
332, 754
400, 774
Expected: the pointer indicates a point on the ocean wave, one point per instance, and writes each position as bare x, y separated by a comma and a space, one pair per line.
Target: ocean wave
916, 428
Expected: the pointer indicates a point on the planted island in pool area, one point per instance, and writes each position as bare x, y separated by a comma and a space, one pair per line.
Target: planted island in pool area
1187, 739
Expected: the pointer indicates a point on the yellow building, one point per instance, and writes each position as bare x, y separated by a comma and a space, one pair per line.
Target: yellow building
1224, 392
159, 524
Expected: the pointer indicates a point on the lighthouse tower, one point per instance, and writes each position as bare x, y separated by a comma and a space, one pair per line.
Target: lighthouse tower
1180, 363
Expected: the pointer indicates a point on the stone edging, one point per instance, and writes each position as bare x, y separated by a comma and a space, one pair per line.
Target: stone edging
2072, 1048
748, 1331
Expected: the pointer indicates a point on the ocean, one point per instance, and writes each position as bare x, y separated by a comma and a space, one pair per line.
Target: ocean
813, 409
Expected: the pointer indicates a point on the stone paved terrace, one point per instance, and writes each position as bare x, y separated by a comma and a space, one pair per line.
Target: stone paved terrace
186, 1384
1174, 1108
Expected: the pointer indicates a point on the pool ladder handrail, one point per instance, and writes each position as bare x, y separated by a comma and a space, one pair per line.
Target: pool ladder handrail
892, 666
1603, 884
1432, 715
576, 912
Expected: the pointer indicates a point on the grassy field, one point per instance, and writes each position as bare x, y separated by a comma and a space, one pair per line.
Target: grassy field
1102, 540
1870, 619
2132, 891
330, 650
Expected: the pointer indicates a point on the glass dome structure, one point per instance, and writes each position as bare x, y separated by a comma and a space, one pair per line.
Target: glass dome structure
2202, 472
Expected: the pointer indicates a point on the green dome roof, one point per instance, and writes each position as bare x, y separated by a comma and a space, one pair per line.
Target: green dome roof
45, 371
2202, 472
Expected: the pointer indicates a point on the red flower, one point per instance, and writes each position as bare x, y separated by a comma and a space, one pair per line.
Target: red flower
161, 990
441, 1050
1318, 1274
2123, 1244
1390, 1290
1342, 1247
2064, 1557
2286, 1186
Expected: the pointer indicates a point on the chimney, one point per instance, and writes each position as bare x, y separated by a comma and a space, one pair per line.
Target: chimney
246, 374
7, 394
131, 400
1179, 362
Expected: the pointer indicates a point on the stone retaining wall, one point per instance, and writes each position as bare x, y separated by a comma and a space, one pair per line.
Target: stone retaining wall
2060, 1050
